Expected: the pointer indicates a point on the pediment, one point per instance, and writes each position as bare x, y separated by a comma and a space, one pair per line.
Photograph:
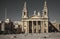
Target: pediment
35, 16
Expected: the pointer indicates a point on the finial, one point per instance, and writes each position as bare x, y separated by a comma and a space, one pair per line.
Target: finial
45, 3
25, 4
35, 12
38, 13
25, 7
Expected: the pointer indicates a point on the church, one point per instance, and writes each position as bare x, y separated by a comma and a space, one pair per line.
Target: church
37, 23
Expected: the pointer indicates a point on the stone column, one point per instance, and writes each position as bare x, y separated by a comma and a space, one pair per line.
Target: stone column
25, 26
22, 26
47, 27
28, 26
42, 27
36, 26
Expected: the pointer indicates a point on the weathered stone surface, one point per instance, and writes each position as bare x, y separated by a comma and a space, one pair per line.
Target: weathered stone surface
32, 36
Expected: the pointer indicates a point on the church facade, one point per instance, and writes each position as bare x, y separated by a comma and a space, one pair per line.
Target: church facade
38, 23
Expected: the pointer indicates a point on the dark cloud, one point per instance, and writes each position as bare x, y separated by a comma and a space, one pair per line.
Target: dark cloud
14, 8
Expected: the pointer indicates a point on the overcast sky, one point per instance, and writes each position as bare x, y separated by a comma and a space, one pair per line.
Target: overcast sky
14, 8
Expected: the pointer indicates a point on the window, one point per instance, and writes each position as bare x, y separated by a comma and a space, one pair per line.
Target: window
24, 13
45, 13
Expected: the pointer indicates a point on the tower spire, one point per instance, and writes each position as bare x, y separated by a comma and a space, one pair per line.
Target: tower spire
45, 3
25, 7
45, 10
24, 11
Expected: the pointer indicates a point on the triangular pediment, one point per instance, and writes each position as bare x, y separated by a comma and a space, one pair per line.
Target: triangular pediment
35, 16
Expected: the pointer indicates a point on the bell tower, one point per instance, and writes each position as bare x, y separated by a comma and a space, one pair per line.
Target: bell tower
24, 11
44, 26
45, 10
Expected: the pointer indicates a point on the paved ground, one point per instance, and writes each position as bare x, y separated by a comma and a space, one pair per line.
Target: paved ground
32, 36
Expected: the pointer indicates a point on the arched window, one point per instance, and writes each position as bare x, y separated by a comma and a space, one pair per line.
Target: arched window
44, 13
24, 13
